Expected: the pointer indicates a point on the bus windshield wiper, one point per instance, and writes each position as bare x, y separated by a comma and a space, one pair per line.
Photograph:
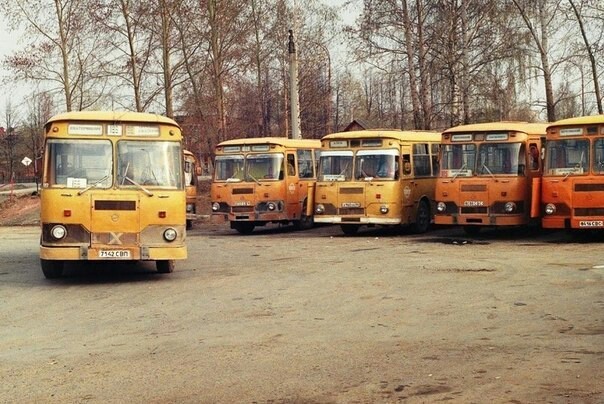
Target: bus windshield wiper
145, 190
458, 172
94, 184
254, 179
489, 171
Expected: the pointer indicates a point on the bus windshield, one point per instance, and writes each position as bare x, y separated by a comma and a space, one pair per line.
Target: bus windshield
458, 159
149, 163
335, 166
500, 158
567, 156
251, 168
264, 167
376, 164
79, 163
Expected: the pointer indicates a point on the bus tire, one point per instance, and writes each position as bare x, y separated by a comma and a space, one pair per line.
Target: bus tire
422, 220
305, 222
349, 229
164, 266
51, 269
244, 227
471, 230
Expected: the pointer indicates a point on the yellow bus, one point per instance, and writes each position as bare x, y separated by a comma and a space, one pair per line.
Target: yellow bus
490, 175
192, 171
377, 177
112, 189
572, 194
264, 180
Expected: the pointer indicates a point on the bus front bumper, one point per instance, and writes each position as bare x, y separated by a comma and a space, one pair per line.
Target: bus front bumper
110, 253
357, 220
473, 220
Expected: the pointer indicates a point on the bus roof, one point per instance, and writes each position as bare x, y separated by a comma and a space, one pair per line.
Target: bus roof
516, 126
281, 141
112, 116
582, 120
404, 135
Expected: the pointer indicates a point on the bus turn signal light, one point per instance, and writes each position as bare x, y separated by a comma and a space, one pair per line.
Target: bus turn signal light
67, 212
162, 214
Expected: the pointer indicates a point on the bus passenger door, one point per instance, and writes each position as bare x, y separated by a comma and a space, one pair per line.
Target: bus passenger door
408, 184
293, 187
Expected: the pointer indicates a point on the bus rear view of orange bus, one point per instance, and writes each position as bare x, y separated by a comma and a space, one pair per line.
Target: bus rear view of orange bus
264, 180
573, 179
112, 190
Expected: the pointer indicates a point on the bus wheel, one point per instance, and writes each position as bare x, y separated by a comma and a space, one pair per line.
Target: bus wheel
349, 229
471, 230
422, 221
52, 269
305, 222
244, 227
164, 266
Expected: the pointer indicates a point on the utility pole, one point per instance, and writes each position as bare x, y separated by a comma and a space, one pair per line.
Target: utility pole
293, 87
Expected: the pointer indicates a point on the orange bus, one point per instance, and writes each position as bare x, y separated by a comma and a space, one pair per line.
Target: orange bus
490, 175
192, 171
112, 189
377, 177
264, 180
572, 194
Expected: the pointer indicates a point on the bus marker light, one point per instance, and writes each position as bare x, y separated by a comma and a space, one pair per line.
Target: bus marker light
504, 193
67, 213
378, 196
162, 214
550, 209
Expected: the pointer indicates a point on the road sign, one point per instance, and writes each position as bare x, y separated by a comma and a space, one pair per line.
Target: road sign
26, 161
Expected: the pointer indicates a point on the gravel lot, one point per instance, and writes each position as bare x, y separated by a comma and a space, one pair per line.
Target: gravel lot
283, 316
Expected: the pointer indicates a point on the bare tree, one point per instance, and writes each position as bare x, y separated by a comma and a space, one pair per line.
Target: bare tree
590, 54
61, 50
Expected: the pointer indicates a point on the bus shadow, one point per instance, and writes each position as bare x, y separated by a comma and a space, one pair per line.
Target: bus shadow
106, 272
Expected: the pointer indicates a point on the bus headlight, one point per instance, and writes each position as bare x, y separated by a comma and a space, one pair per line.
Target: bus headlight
58, 232
509, 207
384, 209
215, 207
320, 209
550, 209
170, 234
441, 207
271, 206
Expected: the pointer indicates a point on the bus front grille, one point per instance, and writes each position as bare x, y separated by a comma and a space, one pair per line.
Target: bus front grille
243, 191
349, 191
473, 188
589, 211
114, 205
589, 187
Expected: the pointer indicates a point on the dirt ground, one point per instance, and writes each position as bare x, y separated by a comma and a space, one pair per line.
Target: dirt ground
311, 317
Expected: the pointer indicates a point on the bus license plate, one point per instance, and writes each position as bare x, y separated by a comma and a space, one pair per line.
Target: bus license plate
114, 254
591, 223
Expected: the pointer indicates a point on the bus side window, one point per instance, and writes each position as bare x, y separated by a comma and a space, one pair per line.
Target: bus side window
291, 165
534, 156
406, 164
435, 151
